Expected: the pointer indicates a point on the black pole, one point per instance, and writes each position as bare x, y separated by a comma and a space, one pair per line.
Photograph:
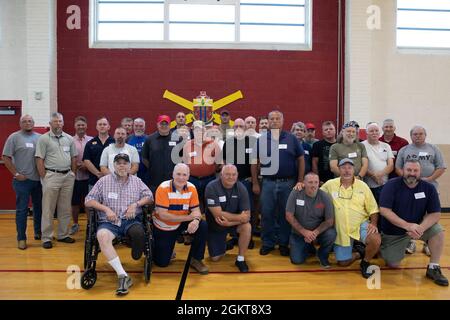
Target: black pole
185, 273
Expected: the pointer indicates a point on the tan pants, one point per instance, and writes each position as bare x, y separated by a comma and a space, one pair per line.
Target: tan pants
57, 191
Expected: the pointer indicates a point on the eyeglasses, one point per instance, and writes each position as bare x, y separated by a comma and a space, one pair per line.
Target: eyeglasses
342, 197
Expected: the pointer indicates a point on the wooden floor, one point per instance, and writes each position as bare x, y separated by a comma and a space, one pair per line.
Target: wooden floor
37, 273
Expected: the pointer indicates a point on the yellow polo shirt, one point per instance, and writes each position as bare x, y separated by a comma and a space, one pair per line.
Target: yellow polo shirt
352, 206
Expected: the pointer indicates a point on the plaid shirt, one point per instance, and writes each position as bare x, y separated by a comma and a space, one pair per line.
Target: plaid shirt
117, 196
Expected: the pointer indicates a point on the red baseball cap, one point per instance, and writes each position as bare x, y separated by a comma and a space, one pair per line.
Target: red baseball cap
309, 125
162, 118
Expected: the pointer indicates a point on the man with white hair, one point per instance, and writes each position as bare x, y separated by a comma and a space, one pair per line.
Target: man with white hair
177, 211
118, 198
137, 140
381, 160
250, 127
431, 162
394, 141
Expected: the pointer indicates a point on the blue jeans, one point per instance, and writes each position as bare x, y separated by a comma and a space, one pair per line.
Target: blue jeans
300, 249
165, 243
200, 185
23, 190
274, 196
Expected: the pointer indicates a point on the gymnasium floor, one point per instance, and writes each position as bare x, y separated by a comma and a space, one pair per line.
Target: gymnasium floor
37, 273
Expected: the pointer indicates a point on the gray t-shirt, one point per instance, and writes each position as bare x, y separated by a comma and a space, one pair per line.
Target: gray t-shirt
429, 156
21, 147
310, 212
355, 151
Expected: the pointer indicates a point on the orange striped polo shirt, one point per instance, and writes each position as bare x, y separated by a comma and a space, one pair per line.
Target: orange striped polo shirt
176, 202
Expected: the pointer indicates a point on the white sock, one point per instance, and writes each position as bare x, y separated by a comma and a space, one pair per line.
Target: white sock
432, 265
117, 266
240, 258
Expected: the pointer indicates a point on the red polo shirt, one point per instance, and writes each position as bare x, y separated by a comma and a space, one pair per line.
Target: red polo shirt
396, 144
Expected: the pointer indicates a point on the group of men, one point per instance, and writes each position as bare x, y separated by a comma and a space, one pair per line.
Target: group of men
326, 193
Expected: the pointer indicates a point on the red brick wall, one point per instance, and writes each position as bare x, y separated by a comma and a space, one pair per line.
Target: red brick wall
131, 82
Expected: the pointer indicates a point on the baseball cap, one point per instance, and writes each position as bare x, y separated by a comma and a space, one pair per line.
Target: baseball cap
197, 124
346, 160
349, 124
122, 156
162, 118
310, 125
224, 111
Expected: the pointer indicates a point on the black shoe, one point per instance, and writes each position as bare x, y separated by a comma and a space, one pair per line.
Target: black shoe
325, 263
360, 248
284, 250
436, 275
265, 250
231, 243
364, 265
242, 266
37, 237
67, 240
180, 239
124, 283
251, 244
47, 245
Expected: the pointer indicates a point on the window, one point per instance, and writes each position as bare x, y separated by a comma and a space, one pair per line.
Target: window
246, 24
423, 24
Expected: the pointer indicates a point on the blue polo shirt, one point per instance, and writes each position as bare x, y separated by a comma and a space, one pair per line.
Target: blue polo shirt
288, 149
409, 204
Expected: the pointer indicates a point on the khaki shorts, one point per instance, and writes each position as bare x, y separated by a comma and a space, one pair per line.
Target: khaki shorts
393, 247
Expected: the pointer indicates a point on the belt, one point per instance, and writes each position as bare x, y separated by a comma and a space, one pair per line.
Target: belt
58, 171
277, 179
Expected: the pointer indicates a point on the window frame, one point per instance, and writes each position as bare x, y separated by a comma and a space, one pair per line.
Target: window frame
170, 44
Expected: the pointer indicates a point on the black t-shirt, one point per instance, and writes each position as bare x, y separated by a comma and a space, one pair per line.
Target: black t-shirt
93, 152
321, 150
234, 200
409, 204
239, 154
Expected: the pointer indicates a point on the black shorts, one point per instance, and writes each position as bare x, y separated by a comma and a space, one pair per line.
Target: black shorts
80, 190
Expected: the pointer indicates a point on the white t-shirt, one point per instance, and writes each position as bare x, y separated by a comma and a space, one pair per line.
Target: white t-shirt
378, 156
108, 154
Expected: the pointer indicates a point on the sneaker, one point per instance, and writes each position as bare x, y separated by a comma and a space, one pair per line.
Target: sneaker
37, 236
411, 248
426, 249
325, 263
124, 283
74, 229
199, 266
47, 245
242, 266
364, 265
251, 244
265, 250
231, 243
360, 248
22, 244
284, 250
67, 240
436, 275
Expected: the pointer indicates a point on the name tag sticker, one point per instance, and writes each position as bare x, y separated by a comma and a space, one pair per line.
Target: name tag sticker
185, 206
193, 154
394, 152
172, 143
307, 152
352, 155
423, 154
419, 195
300, 202
113, 195
211, 201
282, 146
334, 194
29, 145
248, 150
223, 199
66, 149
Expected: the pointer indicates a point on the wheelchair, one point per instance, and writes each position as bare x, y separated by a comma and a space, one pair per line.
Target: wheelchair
92, 247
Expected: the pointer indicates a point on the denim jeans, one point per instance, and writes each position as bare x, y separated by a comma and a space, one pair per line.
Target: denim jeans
274, 196
300, 249
23, 190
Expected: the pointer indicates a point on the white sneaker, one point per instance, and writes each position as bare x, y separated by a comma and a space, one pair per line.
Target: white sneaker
411, 248
74, 229
426, 249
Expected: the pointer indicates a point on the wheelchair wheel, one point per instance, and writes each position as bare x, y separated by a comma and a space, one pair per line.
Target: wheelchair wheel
148, 268
88, 279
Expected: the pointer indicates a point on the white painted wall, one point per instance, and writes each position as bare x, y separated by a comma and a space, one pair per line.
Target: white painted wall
381, 82
28, 55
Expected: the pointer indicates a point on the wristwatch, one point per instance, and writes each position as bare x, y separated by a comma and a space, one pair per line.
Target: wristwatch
17, 174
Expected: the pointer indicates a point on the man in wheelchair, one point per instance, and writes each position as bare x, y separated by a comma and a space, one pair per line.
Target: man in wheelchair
118, 199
